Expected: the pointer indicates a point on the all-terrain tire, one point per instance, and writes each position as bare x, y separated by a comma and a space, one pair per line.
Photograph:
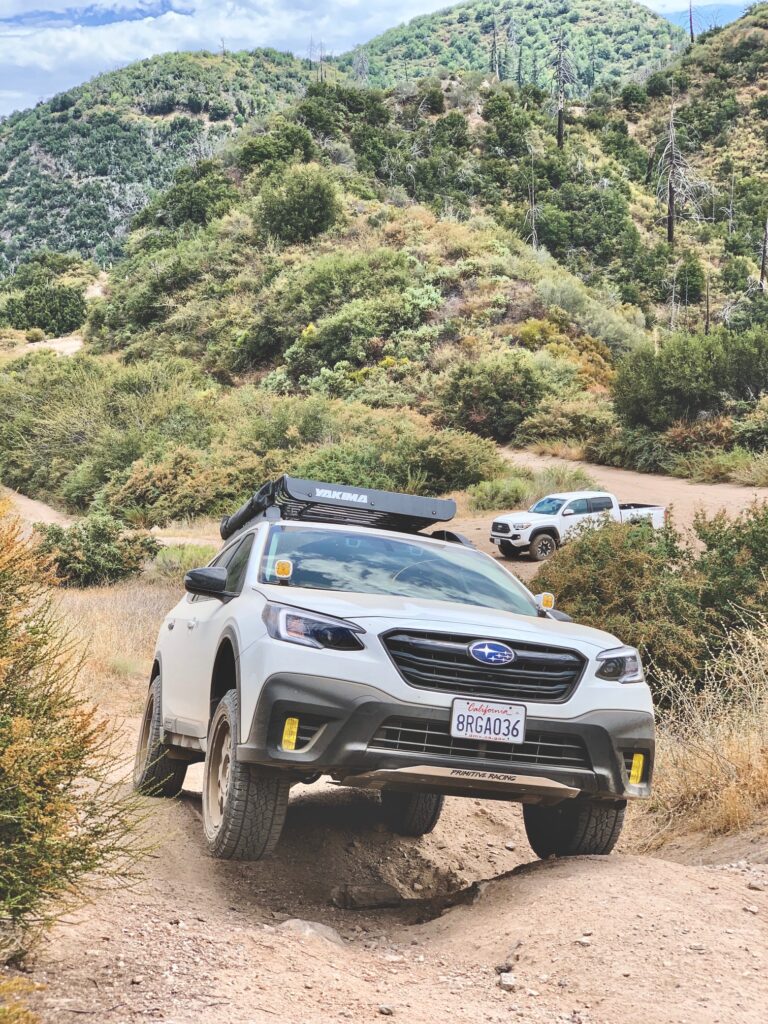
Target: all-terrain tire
542, 547
508, 550
244, 805
411, 814
155, 772
574, 827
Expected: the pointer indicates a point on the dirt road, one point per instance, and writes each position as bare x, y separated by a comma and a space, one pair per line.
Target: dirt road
196, 941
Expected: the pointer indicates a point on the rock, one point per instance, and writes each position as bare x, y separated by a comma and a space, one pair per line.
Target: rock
751, 908
138, 980
311, 930
584, 941
504, 968
756, 886
386, 1011
508, 981
509, 846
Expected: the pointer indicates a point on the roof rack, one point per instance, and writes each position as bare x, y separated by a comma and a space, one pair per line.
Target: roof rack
317, 502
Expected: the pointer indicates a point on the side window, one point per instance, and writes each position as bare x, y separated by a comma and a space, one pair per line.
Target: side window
579, 507
238, 565
600, 504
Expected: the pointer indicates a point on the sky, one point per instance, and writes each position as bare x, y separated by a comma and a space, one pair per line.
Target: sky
47, 46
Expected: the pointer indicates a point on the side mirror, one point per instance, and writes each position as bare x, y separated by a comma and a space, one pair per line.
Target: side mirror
545, 602
210, 581
568, 512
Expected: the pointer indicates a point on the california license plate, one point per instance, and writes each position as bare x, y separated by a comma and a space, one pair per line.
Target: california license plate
488, 720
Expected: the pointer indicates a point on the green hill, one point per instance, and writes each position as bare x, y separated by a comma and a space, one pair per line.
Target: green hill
608, 42
75, 169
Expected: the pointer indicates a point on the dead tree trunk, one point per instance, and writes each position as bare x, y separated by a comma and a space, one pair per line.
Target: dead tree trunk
671, 214
764, 259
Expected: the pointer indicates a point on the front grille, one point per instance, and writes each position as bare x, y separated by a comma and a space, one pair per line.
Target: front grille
421, 736
441, 661
500, 528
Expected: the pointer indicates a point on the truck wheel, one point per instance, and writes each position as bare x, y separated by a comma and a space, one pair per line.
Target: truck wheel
573, 828
411, 814
508, 550
542, 547
155, 773
244, 805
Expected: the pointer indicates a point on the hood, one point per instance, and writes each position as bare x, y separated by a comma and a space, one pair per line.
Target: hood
378, 611
534, 518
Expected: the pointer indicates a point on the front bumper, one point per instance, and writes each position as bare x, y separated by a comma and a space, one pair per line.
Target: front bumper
346, 731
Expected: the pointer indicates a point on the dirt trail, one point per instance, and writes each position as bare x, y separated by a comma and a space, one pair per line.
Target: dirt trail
589, 941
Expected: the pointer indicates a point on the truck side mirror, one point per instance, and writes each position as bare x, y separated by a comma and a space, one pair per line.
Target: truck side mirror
569, 512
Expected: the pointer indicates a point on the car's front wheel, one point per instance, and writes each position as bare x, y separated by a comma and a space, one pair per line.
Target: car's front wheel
244, 805
411, 814
155, 771
542, 547
574, 827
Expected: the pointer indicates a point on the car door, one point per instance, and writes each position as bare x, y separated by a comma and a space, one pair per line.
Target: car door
200, 622
574, 513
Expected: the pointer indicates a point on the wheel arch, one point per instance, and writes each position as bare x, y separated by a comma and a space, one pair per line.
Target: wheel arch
550, 531
226, 670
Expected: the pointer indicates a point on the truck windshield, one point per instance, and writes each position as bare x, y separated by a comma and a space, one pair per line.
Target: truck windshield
548, 506
371, 564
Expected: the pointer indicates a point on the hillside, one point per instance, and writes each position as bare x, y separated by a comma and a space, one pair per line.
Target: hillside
75, 169
608, 42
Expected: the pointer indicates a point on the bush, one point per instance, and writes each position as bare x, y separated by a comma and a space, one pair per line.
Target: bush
491, 396
174, 561
504, 493
752, 430
60, 818
95, 551
575, 419
34, 335
524, 488
55, 309
299, 204
690, 375
638, 584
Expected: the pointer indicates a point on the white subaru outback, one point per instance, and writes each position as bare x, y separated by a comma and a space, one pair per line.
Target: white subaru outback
332, 636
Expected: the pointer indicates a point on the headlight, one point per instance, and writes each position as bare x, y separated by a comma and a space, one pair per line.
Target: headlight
521, 526
309, 629
621, 665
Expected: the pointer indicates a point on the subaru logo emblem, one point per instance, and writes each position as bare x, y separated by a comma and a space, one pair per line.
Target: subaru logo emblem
491, 652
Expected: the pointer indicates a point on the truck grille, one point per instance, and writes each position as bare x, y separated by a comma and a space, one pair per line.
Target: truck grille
500, 528
441, 661
421, 736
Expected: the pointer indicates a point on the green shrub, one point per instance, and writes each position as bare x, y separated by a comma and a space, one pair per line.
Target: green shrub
503, 493
557, 419
491, 396
94, 551
690, 375
53, 308
174, 561
637, 584
752, 430
60, 817
299, 204
34, 335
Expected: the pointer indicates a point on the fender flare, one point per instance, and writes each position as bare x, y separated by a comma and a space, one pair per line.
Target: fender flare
551, 531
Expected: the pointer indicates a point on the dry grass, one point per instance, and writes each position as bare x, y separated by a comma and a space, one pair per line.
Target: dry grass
561, 449
190, 531
118, 628
712, 754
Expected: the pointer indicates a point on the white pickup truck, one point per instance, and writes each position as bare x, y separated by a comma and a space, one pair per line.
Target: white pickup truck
546, 525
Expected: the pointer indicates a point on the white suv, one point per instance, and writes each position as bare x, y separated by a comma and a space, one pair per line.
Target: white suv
331, 636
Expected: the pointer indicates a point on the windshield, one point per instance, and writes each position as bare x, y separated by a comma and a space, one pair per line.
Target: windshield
369, 564
548, 506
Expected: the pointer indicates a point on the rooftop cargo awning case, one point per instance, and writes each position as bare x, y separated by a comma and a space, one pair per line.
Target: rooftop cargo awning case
318, 502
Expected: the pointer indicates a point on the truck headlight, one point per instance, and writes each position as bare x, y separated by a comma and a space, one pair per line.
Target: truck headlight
521, 526
621, 665
310, 629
